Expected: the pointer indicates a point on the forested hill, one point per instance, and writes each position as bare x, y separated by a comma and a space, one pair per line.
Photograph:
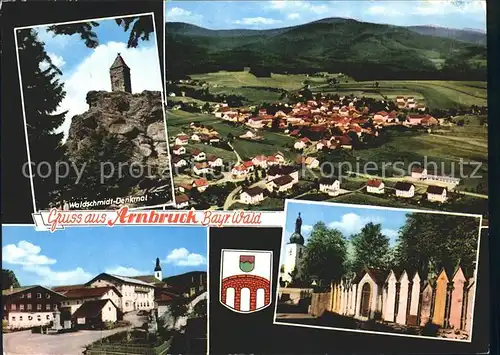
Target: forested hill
362, 50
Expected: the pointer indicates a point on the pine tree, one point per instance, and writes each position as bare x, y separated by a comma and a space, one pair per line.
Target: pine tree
42, 94
9, 279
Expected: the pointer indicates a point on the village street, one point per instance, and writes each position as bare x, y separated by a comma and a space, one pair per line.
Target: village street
25, 342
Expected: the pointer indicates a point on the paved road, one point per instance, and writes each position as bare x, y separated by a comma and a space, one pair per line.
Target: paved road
26, 343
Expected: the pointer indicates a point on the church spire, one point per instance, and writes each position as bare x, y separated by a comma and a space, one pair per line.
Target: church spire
296, 237
158, 273
157, 267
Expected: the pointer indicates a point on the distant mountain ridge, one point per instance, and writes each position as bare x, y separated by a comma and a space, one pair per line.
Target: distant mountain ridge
350, 46
466, 35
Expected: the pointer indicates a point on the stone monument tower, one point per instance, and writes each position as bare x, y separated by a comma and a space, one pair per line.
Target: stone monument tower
119, 73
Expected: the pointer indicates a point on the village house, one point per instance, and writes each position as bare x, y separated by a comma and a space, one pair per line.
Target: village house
239, 171
200, 184
136, 294
94, 314
404, 189
381, 115
178, 150
181, 139
260, 160
249, 165
277, 171
179, 162
198, 155
181, 200
375, 186
310, 162
195, 137
330, 186
437, 193
302, 143
345, 142
419, 173
421, 108
76, 296
214, 161
252, 196
323, 144
281, 184
183, 187
30, 306
280, 157
248, 135
419, 119
442, 178
202, 168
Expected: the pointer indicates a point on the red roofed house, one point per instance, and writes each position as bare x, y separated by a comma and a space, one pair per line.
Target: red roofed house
181, 139
418, 119
201, 168
323, 143
260, 160
181, 201
178, 150
198, 155
419, 173
215, 161
179, 162
344, 141
239, 171
200, 184
249, 165
302, 143
375, 186
381, 115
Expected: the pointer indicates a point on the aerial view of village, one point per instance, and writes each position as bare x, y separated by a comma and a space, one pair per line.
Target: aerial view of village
119, 291
301, 102
392, 271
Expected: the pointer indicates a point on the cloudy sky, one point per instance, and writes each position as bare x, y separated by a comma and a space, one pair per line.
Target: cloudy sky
271, 14
76, 255
85, 69
347, 219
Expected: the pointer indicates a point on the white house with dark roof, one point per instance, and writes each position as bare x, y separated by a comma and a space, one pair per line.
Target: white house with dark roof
252, 196
330, 186
437, 193
404, 189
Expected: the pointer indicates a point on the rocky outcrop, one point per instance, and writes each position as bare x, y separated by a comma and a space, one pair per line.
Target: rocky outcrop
134, 118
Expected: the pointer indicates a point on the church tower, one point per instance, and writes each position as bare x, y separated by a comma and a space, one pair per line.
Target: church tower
158, 274
119, 73
294, 252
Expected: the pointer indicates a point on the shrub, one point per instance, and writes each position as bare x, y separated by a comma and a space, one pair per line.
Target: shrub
4, 325
430, 329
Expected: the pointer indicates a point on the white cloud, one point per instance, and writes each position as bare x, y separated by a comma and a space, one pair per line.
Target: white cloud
443, 7
57, 60
302, 6
26, 254
293, 16
307, 228
183, 257
49, 277
125, 271
382, 10
93, 74
255, 21
56, 41
177, 14
351, 223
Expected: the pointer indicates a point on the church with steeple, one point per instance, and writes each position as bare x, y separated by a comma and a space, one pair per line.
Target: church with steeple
119, 73
294, 252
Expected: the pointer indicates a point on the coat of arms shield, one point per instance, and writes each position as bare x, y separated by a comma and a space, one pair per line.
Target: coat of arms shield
246, 279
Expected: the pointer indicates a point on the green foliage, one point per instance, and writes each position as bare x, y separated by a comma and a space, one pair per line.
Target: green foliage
140, 28
428, 243
200, 309
43, 92
371, 248
325, 254
178, 307
9, 279
102, 147
364, 50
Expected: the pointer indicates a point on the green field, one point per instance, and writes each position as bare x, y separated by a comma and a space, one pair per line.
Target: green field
178, 121
433, 93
